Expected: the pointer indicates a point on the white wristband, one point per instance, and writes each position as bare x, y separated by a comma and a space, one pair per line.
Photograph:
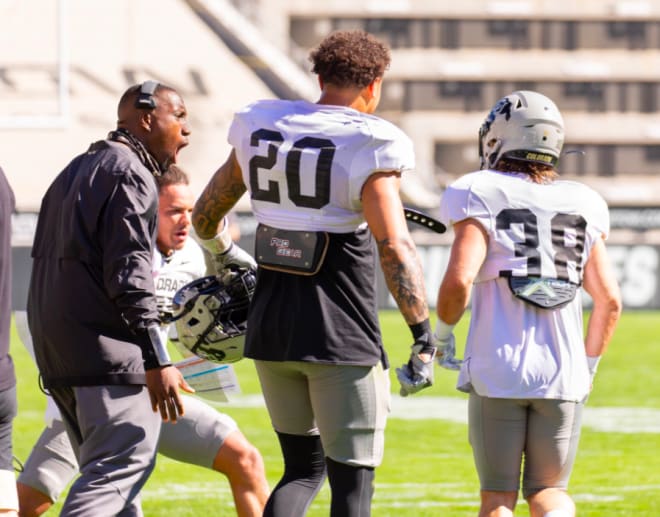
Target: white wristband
443, 330
159, 345
221, 242
592, 363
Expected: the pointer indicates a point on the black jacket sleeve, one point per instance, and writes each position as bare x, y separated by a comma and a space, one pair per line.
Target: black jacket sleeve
128, 236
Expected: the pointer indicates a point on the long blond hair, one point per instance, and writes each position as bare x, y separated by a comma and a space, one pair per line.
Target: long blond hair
538, 172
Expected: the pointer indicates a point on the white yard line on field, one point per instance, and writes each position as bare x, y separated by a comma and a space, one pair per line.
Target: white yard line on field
606, 419
388, 495
454, 409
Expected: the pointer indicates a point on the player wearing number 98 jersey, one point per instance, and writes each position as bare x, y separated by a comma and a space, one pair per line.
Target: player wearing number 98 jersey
535, 230
525, 243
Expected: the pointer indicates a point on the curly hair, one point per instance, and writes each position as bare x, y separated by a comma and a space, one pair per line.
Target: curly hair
350, 59
538, 172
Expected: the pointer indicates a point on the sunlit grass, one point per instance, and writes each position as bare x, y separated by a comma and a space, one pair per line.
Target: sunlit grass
428, 469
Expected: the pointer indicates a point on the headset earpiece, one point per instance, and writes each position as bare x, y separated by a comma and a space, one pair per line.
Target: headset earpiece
145, 99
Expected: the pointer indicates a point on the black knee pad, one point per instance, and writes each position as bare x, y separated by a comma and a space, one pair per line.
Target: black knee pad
304, 473
352, 489
303, 455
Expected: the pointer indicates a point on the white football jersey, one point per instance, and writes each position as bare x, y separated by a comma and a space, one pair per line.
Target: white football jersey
173, 272
514, 349
305, 164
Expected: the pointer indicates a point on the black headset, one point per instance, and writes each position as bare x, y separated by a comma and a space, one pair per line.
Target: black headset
145, 100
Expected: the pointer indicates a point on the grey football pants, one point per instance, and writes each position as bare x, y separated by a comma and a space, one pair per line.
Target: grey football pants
114, 433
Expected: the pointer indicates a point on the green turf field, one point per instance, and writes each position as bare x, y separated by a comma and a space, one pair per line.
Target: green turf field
428, 468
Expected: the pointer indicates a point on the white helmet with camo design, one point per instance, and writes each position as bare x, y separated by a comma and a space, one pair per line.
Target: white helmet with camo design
524, 125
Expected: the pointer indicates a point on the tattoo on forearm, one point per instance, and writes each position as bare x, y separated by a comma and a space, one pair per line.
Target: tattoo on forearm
404, 277
216, 200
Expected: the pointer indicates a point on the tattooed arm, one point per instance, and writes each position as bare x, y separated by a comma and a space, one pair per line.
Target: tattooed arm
221, 193
383, 211
219, 196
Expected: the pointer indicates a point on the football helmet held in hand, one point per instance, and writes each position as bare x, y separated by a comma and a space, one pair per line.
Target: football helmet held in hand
210, 314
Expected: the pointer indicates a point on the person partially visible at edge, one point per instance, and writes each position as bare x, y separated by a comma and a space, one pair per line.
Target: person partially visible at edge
202, 436
92, 308
8, 403
525, 243
323, 180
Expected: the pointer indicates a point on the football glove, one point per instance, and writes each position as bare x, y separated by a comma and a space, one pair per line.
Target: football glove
417, 374
446, 343
224, 252
234, 256
446, 356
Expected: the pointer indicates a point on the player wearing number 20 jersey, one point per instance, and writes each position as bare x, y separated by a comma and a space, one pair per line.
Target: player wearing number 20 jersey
278, 143
323, 180
544, 230
306, 165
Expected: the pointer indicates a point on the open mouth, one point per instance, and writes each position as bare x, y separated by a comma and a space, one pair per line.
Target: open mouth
184, 144
175, 157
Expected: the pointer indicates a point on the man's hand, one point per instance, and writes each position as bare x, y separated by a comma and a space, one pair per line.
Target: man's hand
163, 384
417, 374
444, 339
234, 256
224, 252
446, 356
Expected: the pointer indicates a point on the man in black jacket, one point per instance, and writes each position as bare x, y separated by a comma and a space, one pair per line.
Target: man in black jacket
92, 306
8, 499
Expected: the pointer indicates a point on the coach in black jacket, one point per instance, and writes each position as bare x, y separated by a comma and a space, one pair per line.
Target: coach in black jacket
91, 304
